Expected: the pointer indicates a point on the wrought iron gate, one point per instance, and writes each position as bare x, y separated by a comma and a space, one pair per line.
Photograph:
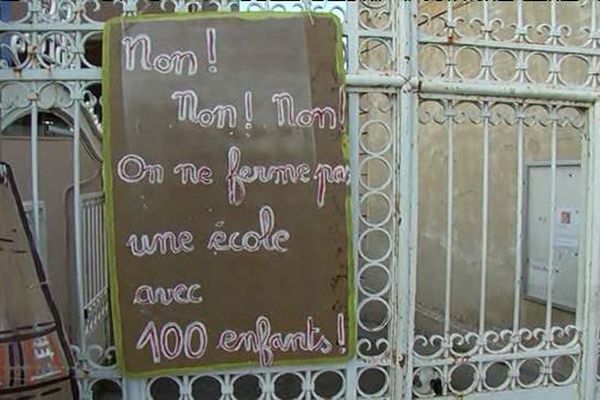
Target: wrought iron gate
449, 103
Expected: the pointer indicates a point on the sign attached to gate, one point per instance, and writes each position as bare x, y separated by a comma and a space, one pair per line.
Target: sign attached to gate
227, 179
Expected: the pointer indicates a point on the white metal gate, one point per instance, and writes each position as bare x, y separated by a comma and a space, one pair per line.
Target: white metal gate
449, 104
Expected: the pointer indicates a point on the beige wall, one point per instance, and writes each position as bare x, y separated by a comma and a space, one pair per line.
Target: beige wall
55, 181
467, 217
467, 192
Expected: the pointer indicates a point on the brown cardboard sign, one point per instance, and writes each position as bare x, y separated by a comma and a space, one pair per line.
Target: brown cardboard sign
228, 191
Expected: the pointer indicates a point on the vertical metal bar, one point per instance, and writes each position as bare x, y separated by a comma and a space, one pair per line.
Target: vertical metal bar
88, 215
99, 245
486, 36
88, 250
586, 179
96, 252
486, 20
593, 43
353, 50
592, 257
450, 60
449, 105
520, 31
593, 16
485, 110
85, 253
77, 215
554, 68
85, 243
552, 21
85, 263
519, 237
519, 224
550, 273
449, 217
34, 98
399, 332
106, 323
352, 55
413, 198
353, 130
133, 389
407, 194
104, 271
519, 5
307, 378
35, 187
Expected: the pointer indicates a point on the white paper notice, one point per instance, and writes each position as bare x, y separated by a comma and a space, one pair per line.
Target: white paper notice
566, 227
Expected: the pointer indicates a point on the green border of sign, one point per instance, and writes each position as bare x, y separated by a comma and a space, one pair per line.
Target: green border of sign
108, 182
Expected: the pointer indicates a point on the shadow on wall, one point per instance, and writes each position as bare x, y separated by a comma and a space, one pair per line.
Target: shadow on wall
55, 166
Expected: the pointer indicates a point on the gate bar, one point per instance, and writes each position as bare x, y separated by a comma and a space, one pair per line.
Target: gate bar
592, 272
528, 91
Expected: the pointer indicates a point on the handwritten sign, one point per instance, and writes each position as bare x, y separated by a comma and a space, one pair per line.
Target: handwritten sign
227, 191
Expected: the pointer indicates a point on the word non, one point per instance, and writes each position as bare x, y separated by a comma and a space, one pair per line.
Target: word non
179, 294
252, 241
287, 112
322, 117
137, 51
219, 116
264, 342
